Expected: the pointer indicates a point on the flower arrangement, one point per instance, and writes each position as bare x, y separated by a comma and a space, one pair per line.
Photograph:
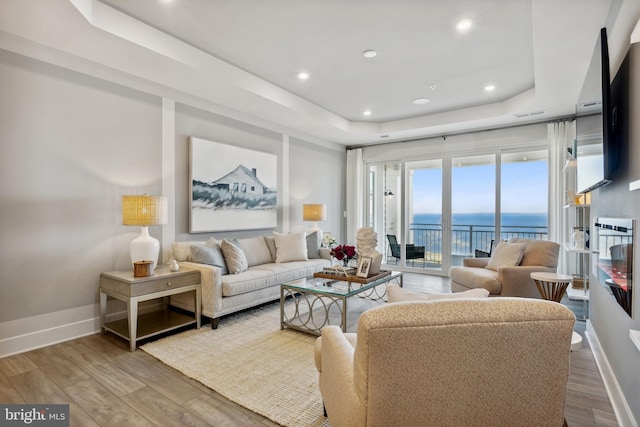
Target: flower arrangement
328, 240
344, 253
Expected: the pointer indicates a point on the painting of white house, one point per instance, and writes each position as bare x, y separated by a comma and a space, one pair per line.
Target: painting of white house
232, 188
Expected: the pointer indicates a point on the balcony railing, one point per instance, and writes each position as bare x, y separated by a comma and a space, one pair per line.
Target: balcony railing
467, 237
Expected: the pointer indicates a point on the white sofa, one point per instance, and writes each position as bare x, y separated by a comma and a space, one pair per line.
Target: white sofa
268, 264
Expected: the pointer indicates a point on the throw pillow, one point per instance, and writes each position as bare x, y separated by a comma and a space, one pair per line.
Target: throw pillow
291, 247
313, 245
234, 257
181, 251
210, 254
255, 249
397, 294
505, 255
271, 244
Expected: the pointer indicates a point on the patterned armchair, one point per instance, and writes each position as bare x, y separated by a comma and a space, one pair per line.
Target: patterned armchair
466, 362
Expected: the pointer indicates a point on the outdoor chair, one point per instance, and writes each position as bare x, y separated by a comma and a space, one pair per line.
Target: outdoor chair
412, 252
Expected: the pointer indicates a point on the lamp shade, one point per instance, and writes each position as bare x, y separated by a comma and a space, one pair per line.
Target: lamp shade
314, 212
144, 210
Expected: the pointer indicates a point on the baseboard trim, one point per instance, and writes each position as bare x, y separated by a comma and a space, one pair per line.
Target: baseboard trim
31, 333
616, 397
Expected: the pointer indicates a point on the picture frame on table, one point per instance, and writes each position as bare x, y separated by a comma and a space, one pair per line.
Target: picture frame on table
364, 264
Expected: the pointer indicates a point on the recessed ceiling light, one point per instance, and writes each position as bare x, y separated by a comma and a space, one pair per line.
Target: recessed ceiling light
490, 88
369, 53
464, 24
303, 75
367, 112
421, 101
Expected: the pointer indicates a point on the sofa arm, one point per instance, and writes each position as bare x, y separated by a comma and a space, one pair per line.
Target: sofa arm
211, 287
336, 379
517, 282
325, 253
475, 262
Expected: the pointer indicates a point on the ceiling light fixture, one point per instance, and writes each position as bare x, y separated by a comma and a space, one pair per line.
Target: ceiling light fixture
303, 75
490, 88
464, 24
367, 112
421, 101
369, 53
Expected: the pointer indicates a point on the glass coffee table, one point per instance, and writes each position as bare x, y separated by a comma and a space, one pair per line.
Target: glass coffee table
319, 301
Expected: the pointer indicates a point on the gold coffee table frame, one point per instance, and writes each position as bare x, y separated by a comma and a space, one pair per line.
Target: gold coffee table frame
319, 295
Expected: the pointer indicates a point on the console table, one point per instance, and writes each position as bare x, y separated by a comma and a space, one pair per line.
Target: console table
123, 286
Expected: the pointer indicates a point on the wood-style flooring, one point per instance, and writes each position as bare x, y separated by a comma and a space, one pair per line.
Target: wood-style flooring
107, 385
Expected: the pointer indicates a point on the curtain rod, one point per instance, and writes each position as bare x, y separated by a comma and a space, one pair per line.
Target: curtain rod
445, 135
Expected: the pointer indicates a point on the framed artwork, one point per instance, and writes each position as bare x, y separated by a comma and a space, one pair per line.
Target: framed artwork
231, 188
364, 264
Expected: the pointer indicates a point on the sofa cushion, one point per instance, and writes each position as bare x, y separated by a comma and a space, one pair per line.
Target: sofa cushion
397, 294
210, 254
234, 257
255, 249
247, 281
313, 245
506, 254
291, 247
472, 278
288, 271
538, 252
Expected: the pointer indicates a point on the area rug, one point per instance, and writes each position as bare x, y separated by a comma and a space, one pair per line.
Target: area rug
250, 361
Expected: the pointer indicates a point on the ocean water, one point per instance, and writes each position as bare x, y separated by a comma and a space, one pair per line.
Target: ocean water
475, 230
487, 219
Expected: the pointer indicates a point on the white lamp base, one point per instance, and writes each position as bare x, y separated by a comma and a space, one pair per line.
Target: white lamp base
145, 248
317, 229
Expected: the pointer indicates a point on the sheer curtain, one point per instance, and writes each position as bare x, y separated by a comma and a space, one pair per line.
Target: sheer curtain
355, 194
560, 136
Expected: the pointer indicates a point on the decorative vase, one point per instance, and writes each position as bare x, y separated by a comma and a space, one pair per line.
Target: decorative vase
345, 262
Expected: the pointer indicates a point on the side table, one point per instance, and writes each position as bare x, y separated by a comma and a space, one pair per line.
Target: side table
552, 287
123, 286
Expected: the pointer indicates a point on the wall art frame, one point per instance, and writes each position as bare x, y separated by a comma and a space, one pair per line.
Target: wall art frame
231, 188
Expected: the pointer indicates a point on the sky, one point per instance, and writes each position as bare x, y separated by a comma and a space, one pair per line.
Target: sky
524, 188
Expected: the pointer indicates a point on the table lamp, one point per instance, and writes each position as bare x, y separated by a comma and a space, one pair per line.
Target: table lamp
315, 213
144, 211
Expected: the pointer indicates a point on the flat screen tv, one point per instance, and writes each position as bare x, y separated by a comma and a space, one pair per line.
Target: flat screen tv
593, 150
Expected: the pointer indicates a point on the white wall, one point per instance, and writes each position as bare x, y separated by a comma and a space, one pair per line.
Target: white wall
610, 323
70, 146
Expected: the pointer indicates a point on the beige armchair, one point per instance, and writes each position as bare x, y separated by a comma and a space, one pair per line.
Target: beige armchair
466, 362
508, 281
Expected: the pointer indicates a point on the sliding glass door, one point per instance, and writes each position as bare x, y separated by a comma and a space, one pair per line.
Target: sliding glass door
524, 195
424, 208
430, 214
385, 210
473, 205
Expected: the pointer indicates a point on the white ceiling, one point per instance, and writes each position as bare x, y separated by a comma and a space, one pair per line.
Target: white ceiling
242, 57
